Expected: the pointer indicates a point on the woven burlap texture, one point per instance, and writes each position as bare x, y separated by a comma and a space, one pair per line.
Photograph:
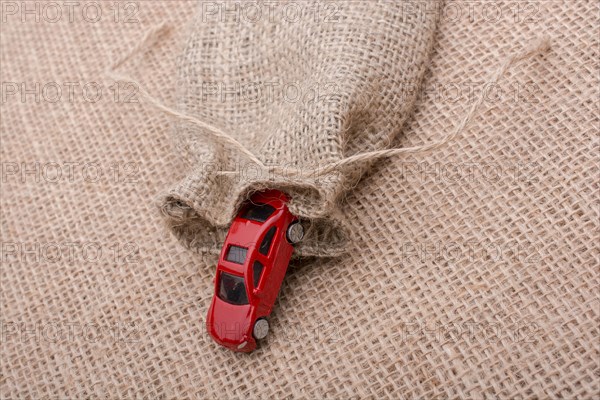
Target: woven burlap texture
332, 84
469, 272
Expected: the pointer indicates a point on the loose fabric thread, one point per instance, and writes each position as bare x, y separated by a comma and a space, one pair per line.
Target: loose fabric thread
537, 47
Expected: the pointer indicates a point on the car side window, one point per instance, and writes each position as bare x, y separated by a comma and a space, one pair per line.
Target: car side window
256, 273
266, 243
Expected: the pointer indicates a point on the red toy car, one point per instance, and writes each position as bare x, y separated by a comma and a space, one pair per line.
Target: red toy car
251, 267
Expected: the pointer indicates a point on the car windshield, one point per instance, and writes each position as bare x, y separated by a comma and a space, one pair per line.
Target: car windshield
232, 289
258, 212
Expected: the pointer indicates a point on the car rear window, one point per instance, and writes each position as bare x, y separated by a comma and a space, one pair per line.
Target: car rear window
232, 289
236, 254
258, 212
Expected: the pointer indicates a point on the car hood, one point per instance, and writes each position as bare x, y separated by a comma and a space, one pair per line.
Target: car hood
229, 324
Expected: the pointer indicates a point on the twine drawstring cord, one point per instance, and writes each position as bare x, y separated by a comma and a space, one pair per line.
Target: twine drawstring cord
536, 47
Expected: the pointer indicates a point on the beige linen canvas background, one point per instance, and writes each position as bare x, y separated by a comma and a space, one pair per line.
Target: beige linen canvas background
470, 271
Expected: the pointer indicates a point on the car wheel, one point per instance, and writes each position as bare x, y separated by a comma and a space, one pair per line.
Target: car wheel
261, 329
295, 232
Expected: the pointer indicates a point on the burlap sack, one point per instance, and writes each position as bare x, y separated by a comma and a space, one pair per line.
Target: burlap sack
300, 85
472, 270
